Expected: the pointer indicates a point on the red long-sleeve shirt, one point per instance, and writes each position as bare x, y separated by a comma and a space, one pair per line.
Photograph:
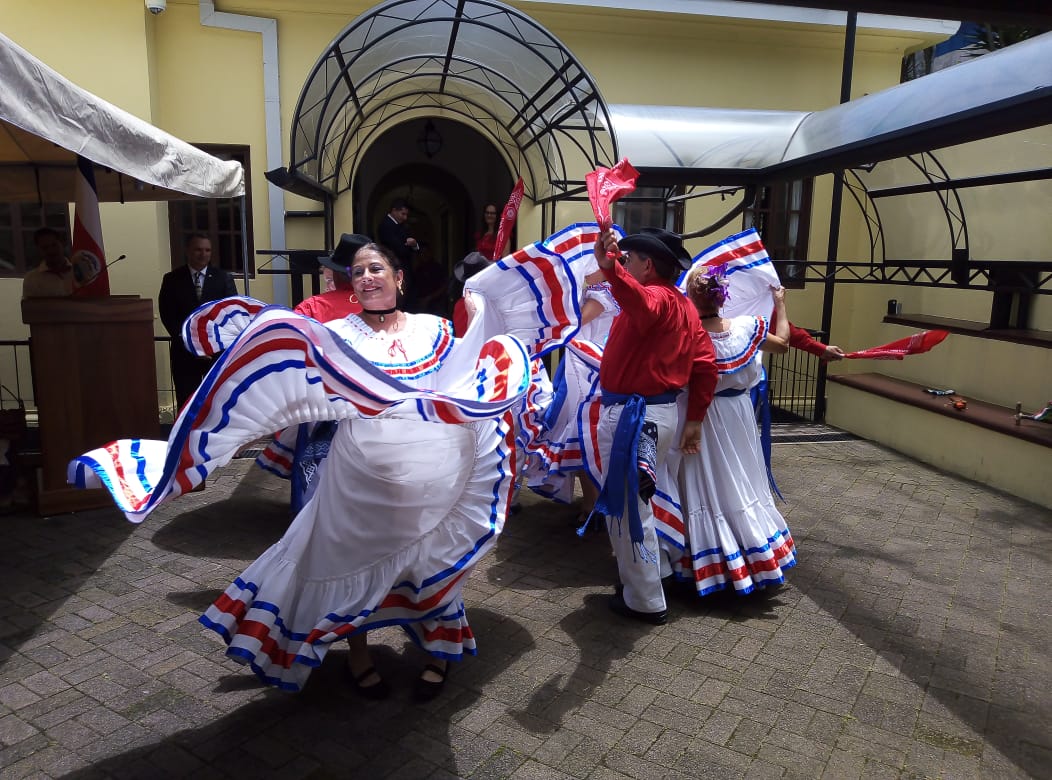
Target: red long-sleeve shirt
657, 344
801, 339
332, 305
460, 318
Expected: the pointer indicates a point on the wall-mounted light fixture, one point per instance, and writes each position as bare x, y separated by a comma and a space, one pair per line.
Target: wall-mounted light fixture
430, 141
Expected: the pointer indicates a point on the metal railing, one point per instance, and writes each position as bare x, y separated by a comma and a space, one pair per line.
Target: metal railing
792, 381
792, 385
16, 375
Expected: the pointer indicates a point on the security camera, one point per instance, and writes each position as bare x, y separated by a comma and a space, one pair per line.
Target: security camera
156, 6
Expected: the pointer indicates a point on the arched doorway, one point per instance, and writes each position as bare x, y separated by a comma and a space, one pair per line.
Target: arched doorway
447, 171
476, 63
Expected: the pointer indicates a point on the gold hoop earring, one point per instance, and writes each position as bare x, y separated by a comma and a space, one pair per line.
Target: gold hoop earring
354, 299
400, 290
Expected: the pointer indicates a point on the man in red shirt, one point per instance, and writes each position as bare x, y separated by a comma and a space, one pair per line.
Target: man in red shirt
801, 339
656, 348
340, 301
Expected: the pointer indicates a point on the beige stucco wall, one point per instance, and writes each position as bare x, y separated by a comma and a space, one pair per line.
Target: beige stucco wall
1004, 222
1003, 462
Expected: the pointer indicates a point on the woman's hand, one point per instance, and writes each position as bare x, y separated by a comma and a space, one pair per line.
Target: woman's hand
690, 443
778, 293
469, 306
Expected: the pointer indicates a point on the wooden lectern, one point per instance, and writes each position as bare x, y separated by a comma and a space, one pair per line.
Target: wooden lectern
95, 380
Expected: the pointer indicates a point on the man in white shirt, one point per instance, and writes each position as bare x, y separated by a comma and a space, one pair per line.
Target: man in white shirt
53, 278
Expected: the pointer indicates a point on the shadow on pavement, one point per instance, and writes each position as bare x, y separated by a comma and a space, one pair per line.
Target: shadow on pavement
240, 526
45, 562
930, 586
326, 730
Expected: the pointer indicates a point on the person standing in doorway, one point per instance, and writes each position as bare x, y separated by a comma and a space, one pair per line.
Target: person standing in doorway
486, 239
183, 290
393, 233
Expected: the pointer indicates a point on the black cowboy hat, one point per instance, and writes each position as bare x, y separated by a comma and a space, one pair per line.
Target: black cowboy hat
472, 263
343, 254
658, 244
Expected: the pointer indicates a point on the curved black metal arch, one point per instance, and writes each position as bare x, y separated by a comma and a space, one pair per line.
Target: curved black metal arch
868, 209
366, 141
482, 61
956, 222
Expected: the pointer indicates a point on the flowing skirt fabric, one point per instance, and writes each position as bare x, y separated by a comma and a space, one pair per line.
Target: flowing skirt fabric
389, 538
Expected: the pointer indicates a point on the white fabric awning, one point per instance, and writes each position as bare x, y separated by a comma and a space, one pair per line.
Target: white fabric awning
46, 120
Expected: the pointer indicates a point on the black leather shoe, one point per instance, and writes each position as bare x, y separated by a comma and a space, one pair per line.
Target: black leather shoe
376, 691
426, 690
618, 605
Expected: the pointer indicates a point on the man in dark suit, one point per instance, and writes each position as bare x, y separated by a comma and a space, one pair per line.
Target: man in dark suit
182, 291
393, 233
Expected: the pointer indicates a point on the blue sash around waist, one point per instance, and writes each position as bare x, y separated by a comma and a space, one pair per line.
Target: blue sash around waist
622, 484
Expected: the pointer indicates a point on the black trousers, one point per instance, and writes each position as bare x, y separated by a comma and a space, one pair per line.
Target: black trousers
187, 372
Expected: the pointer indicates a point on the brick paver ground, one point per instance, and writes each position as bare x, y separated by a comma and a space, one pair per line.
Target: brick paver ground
912, 641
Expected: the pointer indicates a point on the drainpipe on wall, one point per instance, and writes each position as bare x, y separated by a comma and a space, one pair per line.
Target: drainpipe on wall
268, 29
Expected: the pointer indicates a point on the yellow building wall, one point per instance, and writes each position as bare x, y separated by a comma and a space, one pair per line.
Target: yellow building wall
1007, 222
119, 74
210, 91
1004, 222
205, 86
1011, 465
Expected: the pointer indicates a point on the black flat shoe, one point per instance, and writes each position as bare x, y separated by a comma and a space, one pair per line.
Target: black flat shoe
426, 690
376, 691
617, 604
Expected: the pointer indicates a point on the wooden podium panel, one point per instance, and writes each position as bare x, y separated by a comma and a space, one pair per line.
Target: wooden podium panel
95, 380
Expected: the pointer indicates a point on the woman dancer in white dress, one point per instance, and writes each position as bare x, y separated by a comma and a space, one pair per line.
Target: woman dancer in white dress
557, 459
383, 524
417, 483
735, 535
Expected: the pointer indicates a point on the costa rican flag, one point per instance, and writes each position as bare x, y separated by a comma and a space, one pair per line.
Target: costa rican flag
90, 278
749, 271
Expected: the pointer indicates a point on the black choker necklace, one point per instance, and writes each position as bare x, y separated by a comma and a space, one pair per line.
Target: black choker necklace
710, 317
381, 313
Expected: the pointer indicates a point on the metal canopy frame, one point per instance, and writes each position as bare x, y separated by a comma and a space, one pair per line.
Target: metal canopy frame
480, 62
995, 94
491, 67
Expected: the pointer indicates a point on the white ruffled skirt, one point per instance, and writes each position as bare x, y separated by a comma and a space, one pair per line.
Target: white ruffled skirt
404, 510
736, 537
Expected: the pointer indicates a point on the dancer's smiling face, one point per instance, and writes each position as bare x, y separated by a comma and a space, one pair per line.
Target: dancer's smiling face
375, 279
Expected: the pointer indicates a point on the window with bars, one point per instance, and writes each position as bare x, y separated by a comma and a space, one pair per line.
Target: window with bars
217, 218
18, 222
648, 207
782, 216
